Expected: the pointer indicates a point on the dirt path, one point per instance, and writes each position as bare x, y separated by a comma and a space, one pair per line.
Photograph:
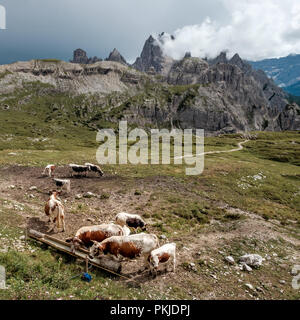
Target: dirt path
240, 147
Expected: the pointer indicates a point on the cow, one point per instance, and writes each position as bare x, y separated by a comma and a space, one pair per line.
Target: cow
86, 235
55, 211
94, 168
78, 169
49, 170
131, 246
163, 255
63, 183
131, 220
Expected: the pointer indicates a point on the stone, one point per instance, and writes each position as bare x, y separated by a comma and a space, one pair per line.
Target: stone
245, 267
78, 196
163, 237
89, 195
294, 272
249, 286
230, 260
252, 260
33, 188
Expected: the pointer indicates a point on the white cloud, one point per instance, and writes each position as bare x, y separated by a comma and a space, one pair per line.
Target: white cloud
257, 29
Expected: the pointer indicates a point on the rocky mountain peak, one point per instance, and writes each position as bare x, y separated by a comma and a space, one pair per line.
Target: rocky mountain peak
80, 56
116, 56
153, 56
187, 55
221, 58
239, 62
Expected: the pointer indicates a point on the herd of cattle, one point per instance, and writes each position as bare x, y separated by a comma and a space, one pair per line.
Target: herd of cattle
114, 239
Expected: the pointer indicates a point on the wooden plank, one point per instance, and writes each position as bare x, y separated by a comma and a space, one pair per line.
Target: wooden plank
103, 262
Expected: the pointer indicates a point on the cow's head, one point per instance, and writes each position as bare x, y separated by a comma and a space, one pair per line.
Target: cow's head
55, 193
153, 264
75, 242
96, 249
143, 225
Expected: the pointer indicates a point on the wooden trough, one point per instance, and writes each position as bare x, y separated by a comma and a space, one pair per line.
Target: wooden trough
102, 263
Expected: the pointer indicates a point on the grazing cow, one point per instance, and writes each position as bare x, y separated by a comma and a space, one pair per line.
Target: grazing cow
78, 169
49, 169
131, 220
94, 168
63, 183
162, 255
55, 211
131, 246
86, 235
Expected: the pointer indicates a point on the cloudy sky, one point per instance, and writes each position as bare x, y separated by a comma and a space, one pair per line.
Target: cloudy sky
54, 28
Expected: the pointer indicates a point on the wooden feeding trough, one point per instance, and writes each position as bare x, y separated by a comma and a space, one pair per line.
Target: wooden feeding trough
102, 263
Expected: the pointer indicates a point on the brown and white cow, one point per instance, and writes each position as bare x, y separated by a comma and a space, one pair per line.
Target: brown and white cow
86, 235
55, 211
162, 255
131, 246
49, 170
131, 220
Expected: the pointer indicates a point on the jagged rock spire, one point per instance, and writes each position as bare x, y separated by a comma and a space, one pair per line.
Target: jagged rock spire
116, 56
152, 55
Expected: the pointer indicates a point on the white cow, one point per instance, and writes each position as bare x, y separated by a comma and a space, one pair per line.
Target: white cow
162, 255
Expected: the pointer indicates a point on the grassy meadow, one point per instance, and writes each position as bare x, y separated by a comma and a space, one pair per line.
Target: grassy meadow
244, 202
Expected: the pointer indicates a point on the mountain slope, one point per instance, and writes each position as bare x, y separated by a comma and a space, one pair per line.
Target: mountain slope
191, 93
285, 72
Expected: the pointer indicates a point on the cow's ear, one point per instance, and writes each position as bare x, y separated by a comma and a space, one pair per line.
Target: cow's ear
50, 192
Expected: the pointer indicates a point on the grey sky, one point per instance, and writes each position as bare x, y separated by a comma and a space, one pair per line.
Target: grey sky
256, 29
53, 29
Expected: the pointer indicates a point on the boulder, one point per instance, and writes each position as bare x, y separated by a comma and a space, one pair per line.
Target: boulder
230, 260
252, 260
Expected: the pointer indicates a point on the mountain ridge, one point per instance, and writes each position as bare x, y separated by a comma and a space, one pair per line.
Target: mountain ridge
219, 96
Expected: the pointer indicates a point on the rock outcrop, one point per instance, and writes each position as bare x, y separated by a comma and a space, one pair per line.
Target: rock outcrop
116, 56
152, 56
80, 56
101, 77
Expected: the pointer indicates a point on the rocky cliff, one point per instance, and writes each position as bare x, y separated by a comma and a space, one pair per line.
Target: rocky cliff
80, 56
219, 96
